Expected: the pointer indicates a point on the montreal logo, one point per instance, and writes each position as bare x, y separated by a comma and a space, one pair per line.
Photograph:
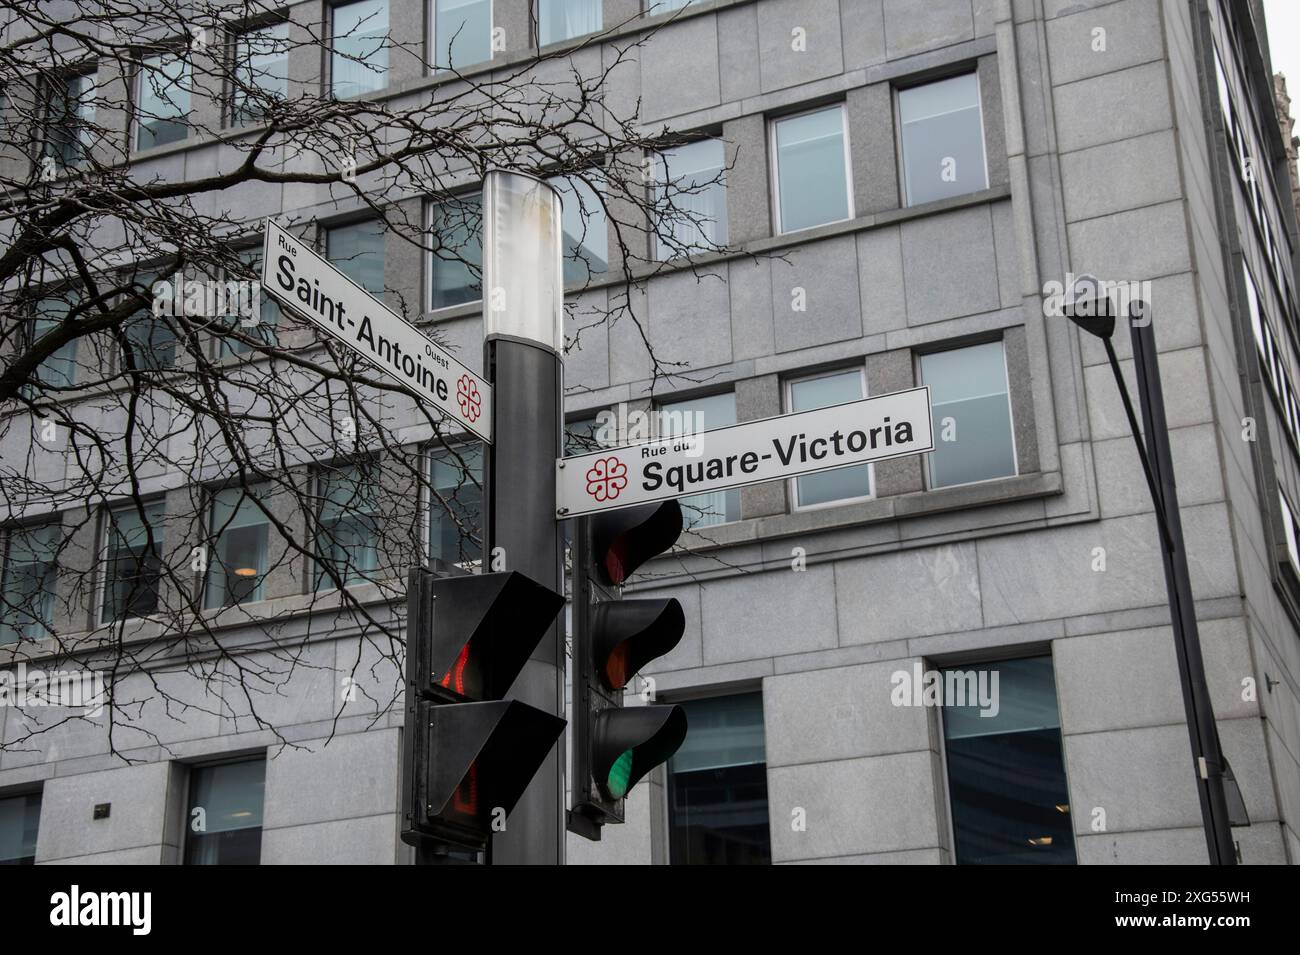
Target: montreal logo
607, 478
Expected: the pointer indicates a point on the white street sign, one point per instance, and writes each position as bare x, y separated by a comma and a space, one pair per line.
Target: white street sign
317, 290
873, 429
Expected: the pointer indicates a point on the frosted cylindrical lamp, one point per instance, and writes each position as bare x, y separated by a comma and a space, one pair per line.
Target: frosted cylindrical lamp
523, 273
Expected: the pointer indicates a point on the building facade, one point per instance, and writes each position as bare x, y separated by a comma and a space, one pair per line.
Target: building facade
904, 182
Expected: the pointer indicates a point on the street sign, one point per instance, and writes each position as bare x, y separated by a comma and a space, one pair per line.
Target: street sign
314, 288
872, 429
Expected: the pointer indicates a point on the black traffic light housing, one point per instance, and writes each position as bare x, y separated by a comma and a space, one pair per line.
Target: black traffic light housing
628, 634
468, 755
615, 747
484, 627
624, 540
628, 743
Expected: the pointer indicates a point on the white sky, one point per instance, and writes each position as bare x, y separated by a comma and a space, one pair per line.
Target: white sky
1283, 18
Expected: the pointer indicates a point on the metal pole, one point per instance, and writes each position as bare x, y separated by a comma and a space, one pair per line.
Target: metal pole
1152, 486
523, 533
523, 297
1201, 727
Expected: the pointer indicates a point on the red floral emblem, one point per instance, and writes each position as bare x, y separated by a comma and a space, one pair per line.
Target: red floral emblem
606, 478
468, 398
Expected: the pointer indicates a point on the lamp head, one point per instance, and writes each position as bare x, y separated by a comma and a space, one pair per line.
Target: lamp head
1089, 307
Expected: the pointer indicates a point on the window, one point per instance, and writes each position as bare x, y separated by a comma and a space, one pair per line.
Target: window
238, 567
1256, 318
455, 512
717, 785
27, 583
690, 417
943, 139
224, 817
1288, 525
357, 251
462, 33
60, 369
564, 19
133, 565
264, 320
455, 236
359, 56
586, 231
261, 72
348, 530
20, 819
691, 199
972, 415
811, 169
1006, 774
582, 436
152, 338
845, 484
655, 7
163, 98
72, 132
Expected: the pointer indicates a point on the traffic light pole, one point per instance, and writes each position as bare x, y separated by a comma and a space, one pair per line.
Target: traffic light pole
523, 535
523, 320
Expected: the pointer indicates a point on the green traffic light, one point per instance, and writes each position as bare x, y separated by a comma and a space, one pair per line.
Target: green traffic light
619, 774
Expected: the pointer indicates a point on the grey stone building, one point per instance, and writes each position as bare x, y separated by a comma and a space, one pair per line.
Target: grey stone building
904, 179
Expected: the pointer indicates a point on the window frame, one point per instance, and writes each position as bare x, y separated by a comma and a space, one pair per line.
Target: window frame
430, 451
989, 659
900, 159
775, 172
127, 280
211, 763
427, 255
318, 581
648, 7
535, 11
25, 791
927, 468
106, 532
329, 8
6, 548
177, 48
787, 400
1289, 527
233, 34
660, 183
83, 70
212, 538
28, 337
431, 41
574, 182
663, 773
657, 410
579, 417
220, 342
323, 246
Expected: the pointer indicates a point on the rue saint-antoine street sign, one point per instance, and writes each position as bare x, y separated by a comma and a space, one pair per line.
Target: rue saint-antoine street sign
312, 287
805, 442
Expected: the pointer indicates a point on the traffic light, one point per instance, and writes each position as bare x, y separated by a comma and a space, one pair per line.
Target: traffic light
613, 638
468, 754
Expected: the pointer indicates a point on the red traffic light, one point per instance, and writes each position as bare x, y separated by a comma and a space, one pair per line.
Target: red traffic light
482, 628
624, 540
628, 634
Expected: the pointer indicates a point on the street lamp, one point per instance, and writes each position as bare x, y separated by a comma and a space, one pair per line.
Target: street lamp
523, 269
1221, 804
